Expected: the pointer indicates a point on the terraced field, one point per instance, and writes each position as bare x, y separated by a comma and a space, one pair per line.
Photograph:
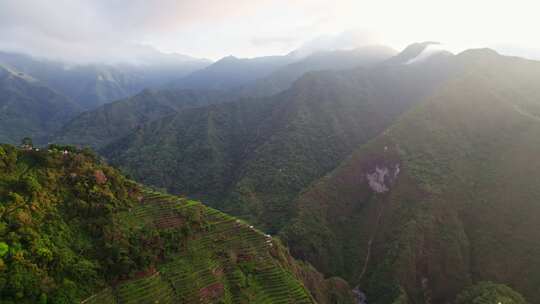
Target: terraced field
220, 260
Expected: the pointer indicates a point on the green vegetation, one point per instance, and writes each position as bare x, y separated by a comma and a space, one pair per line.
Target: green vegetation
73, 229
252, 157
488, 292
461, 209
115, 120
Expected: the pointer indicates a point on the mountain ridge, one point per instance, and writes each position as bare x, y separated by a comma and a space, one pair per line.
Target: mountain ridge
91, 85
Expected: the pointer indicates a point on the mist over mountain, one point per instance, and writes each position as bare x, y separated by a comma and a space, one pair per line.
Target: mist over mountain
284, 77
30, 109
231, 72
91, 85
111, 121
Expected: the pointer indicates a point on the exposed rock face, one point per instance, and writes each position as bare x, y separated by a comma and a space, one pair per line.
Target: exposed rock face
382, 177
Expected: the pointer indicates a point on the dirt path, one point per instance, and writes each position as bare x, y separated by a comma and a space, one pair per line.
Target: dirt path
368, 253
360, 296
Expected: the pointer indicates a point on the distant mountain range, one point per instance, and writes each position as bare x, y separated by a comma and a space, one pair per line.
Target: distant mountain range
112, 121
91, 85
265, 76
282, 78
231, 72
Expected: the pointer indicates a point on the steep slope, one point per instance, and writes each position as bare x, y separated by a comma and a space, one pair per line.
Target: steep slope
231, 72
115, 120
444, 198
27, 108
91, 85
284, 77
73, 229
261, 153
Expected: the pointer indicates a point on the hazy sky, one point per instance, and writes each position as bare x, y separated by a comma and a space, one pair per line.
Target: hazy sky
95, 30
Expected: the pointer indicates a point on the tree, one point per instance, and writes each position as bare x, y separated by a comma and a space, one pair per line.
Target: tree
4, 248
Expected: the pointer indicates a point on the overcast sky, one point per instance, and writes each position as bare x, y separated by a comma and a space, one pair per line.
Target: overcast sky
109, 30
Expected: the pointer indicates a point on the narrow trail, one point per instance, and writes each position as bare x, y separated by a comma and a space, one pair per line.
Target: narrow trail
360, 296
370, 242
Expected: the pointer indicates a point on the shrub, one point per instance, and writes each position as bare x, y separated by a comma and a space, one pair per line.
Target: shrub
489, 293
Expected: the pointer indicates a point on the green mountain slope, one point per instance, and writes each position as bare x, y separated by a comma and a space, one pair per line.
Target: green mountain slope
259, 154
115, 120
446, 197
27, 108
73, 229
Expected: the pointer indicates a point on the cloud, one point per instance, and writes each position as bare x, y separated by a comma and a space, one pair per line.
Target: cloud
349, 39
119, 30
275, 40
103, 30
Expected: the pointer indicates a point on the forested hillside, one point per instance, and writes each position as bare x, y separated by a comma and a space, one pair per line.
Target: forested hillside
445, 198
73, 229
112, 121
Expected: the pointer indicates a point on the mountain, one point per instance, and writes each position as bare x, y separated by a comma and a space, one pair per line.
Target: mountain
266, 76
27, 108
260, 153
284, 77
411, 52
112, 121
109, 122
91, 85
74, 230
446, 197
231, 72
